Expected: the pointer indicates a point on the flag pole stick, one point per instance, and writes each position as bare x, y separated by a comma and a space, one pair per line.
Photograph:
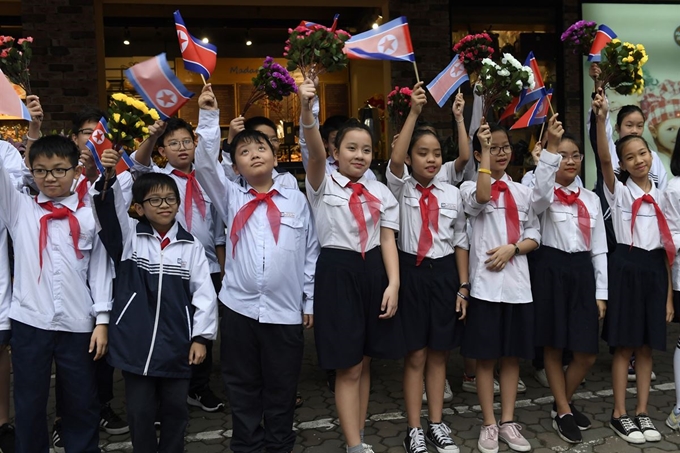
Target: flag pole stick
552, 112
415, 67
540, 137
203, 79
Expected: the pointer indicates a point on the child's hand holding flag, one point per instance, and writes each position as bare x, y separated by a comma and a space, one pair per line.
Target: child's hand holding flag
110, 158
207, 99
555, 132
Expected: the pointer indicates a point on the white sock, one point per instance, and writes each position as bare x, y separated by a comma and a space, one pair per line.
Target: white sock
676, 372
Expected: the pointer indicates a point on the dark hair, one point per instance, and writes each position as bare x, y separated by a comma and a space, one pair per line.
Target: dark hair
572, 138
332, 124
175, 124
423, 124
255, 121
54, 146
620, 144
675, 157
150, 181
248, 136
85, 116
417, 135
353, 124
494, 127
627, 110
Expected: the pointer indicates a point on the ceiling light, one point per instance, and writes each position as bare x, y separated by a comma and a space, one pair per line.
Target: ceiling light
205, 40
126, 36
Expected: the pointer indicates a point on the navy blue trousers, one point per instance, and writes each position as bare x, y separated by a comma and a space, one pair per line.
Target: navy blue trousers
33, 351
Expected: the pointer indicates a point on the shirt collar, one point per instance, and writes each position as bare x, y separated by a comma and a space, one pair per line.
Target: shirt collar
436, 182
71, 202
343, 180
637, 192
573, 187
245, 187
169, 168
505, 178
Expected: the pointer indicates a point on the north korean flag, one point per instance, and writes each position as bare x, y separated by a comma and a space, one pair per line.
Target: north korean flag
159, 86
537, 114
390, 41
98, 142
528, 95
10, 102
198, 56
602, 37
448, 81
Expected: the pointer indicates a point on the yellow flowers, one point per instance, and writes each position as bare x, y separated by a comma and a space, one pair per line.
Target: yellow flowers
139, 124
154, 114
616, 40
130, 119
621, 67
118, 97
116, 117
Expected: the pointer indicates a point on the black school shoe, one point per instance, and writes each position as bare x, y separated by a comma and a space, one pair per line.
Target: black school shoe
111, 422
581, 420
626, 429
57, 443
567, 429
7, 438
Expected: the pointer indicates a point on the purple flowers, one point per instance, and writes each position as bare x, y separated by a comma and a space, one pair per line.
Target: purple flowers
579, 36
272, 81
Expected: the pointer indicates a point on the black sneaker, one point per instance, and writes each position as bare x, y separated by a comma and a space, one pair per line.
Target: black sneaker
57, 443
626, 429
439, 436
7, 438
566, 428
111, 422
206, 400
415, 441
648, 429
581, 420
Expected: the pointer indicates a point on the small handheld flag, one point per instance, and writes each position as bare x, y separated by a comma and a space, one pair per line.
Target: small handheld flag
448, 81
10, 102
527, 95
98, 142
602, 37
159, 86
390, 41
199, 57
537, 114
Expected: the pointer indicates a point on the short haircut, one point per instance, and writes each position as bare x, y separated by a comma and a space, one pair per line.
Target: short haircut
353, 124
175, 124
494, 127
572, 138
332, 124
417, 135
148, 182
252, 123
628, 110
54, 146
423, 124
620, 144
248, 136
86, 115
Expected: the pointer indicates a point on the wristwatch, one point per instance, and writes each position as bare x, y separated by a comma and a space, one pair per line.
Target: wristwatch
516, 249
465, 285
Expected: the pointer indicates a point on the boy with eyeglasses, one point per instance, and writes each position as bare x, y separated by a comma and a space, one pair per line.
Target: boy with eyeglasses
165, 307
176, 143
61, 299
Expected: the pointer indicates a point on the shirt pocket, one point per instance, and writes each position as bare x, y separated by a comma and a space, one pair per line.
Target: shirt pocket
84, 246
291, 233
335, 201
523, 212
558, 216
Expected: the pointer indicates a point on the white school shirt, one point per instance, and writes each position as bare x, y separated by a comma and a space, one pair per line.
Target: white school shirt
529, 180
69, 293
448, 173
452, 224
336, 226
671, 208
646, 235
271, 282
331, 165
657, 172
511, 285
560, 230
209, 230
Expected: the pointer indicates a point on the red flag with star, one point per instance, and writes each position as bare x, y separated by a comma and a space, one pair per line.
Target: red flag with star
199, 57
390, 41
98, 142
537, 114
159, 86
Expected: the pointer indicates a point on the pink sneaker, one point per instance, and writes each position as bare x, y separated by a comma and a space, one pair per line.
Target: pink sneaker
488, 439
510, 434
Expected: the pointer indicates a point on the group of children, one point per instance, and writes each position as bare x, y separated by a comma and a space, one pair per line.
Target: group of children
411, 269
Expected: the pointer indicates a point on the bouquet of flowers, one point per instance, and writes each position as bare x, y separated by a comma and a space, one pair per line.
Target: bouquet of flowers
499, 84
621, 67
315, 49
472, 49
579, 37
129, 120
272, 82
15, 56
398, 106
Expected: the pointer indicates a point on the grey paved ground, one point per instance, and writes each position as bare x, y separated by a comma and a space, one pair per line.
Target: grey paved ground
318, 430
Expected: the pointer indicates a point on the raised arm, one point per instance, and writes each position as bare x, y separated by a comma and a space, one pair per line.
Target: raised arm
304, 151
400, 148
601, 107
316, 167
36, 112
483, 192
142, 157
463, 139
211, 178
548, 164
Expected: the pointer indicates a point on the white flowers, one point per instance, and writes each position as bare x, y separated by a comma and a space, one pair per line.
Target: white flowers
508, 58
531, 82
504, 72
520, 84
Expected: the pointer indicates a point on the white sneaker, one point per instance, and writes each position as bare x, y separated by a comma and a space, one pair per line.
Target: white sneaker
521, 386
448, 394
541, 377
470, 385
